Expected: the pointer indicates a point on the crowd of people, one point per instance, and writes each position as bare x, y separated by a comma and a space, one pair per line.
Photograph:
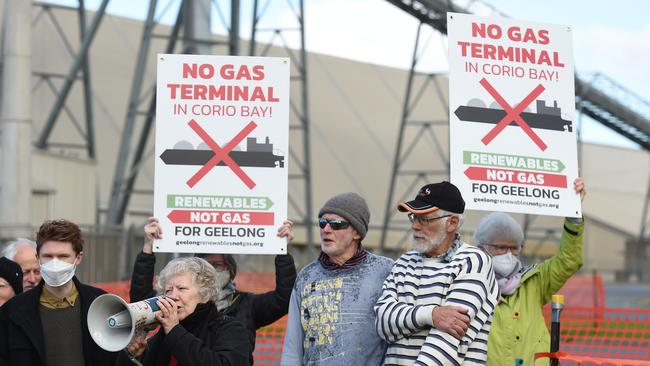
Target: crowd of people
445, 302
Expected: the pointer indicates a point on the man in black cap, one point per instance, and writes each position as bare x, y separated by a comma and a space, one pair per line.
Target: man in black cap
331, 318
11, 279
437, 302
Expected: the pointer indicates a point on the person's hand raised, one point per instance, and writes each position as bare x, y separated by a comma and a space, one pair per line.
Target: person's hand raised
152, 230
286, 230
579, 186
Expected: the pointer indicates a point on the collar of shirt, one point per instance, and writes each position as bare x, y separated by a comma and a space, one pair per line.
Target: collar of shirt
50, 301
449, 254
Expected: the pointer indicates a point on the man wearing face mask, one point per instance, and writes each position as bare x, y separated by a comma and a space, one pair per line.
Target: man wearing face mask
252, 310
518, 328
47, 326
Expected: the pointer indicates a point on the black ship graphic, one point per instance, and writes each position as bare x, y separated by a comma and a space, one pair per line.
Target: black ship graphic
547, 118
257, 155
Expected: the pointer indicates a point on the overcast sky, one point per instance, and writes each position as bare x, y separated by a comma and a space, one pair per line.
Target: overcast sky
609, 37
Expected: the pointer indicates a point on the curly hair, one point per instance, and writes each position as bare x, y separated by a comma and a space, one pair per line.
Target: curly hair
60, 230
204, 276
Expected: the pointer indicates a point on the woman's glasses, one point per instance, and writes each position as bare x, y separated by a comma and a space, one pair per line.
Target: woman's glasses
335, 224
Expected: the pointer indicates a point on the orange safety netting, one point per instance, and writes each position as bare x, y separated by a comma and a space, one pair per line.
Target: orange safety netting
605, 332
584, 291
569, 360
119, 288
588, 329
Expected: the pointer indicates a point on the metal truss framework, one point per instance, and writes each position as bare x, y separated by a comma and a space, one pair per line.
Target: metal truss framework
411, 99
124, 181
299, 120
80, 65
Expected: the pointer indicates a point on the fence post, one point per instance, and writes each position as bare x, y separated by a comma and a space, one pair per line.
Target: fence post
557, 303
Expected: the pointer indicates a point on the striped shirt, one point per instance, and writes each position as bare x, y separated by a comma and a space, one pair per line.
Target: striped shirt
415, 286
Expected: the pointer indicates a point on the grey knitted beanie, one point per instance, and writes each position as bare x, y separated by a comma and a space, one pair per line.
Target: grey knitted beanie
351, 207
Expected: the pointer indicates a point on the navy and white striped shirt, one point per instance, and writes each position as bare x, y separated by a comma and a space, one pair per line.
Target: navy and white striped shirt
415, 286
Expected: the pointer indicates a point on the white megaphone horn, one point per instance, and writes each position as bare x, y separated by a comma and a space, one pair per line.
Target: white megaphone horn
113, 322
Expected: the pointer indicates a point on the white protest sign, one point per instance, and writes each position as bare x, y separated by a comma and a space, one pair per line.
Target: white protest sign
222, 143
512, 115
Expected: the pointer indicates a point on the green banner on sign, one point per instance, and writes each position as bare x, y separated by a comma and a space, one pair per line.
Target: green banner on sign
512, 161
219, 202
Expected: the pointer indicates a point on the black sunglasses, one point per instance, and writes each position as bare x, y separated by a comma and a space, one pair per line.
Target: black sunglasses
335, 224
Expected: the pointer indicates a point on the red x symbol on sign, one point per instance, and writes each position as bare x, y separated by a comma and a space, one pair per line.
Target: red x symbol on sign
513, 114
221, 154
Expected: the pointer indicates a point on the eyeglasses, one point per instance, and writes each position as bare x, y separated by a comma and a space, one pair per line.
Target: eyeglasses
335, 224
424, 220
498, 249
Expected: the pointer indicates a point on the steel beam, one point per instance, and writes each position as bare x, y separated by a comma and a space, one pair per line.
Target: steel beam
597, 103
388, 211
71, 76
116, 212
197, 39
301, 111
146, 130
233, 47
88, 99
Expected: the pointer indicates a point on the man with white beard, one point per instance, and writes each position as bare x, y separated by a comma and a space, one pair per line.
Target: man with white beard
437, 303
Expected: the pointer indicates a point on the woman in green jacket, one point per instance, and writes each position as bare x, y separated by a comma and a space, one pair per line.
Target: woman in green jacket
518, 330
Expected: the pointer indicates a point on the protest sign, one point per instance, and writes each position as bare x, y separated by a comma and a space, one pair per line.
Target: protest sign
222, 127
512, 111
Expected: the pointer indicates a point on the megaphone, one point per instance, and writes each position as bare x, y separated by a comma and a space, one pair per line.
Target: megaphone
113, 322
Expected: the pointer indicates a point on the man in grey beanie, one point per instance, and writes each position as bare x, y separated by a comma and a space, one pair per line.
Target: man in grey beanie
331, 318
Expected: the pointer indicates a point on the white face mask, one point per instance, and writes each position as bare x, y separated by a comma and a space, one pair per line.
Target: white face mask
505, 264
57, 273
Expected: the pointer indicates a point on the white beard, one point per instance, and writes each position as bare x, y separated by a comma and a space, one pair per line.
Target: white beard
426, 246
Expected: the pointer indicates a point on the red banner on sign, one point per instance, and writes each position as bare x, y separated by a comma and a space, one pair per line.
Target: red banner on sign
221, 217
516, 176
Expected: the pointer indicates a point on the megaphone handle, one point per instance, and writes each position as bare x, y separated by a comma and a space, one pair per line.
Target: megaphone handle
140, 332
133, 359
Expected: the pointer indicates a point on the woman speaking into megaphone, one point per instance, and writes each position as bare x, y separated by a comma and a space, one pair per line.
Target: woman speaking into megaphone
192, 331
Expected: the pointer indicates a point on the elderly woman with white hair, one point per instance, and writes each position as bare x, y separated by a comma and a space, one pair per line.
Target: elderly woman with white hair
192, 330
518, 329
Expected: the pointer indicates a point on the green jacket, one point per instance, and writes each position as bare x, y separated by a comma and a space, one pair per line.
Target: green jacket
518, 328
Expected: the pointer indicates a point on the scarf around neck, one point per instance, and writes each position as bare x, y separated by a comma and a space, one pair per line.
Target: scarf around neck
195, 323
198, 317
356, 259
226, 296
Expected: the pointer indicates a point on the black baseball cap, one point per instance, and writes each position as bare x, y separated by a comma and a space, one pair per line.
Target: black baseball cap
433, 197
